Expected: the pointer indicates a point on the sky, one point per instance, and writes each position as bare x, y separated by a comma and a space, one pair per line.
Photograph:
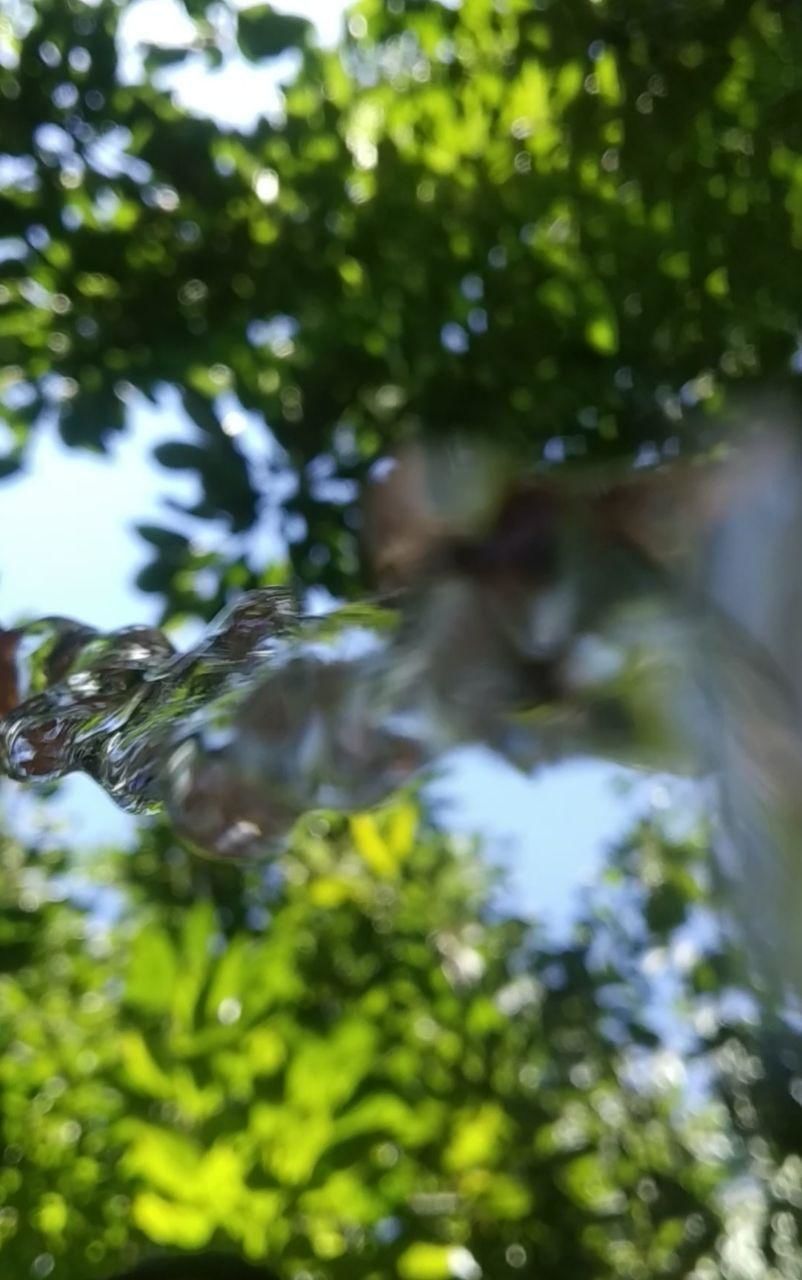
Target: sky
71, 549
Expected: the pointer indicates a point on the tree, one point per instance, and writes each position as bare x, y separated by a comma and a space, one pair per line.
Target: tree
566, 225
373, 1074
572, 226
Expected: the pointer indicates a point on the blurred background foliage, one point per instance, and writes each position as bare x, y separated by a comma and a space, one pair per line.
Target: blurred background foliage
360, 1068
574, 225
573, 222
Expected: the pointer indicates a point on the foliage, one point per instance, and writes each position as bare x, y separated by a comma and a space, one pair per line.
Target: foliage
375, 1074
564, 224
570, 225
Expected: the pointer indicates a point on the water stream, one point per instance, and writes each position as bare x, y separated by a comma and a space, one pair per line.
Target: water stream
544, 633
274, 713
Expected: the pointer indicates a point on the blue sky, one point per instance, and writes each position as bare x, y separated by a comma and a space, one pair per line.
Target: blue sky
71, 549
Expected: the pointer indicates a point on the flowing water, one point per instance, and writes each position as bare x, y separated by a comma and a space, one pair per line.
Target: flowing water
272, 713
547, 632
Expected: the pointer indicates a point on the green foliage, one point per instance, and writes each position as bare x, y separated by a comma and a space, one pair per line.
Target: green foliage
552, 221
262, 32
369, 1073
566, 223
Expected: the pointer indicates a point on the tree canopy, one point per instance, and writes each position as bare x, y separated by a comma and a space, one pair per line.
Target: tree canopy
573, 228
569, 226
361, 1069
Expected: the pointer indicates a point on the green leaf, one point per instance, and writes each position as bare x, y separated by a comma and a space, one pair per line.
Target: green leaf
262, 32
140, 1068
197, 933
167, 540
152, 971
590, 1185
426, 1262
159, 56
325, 1073
156, 577
167, 1223
478, 1138
179, 456
602, 334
